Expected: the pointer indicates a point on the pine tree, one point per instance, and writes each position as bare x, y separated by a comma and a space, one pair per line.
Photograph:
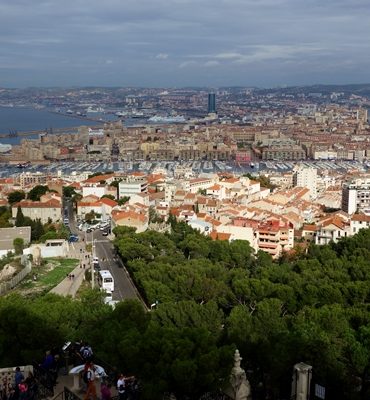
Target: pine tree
37, 229
19, 219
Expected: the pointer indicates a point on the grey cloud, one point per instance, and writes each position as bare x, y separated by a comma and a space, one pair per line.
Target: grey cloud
209, 42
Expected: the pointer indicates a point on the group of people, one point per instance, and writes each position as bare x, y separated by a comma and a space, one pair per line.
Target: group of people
19, 388
127, 386
50, 366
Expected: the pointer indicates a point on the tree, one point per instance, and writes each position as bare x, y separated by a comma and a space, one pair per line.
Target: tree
19, 219
69, 191
108, 196
263, 180
123, 200
90, 216
16, 197
115, 183
76, 198
36, 192
153, 216
37, 230
18, 244
5, 215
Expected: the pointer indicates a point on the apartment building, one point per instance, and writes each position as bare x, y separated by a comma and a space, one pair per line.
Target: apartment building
306, 177
274, 237
27, 179
332, 229
132, 184
358, 222
293, 152
356, 196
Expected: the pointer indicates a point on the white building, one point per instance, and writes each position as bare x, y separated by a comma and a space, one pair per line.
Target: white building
45, 211
358, 222
356, 196
306, 177
97, 190
131, 185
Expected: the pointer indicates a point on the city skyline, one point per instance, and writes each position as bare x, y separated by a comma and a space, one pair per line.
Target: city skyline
183, 43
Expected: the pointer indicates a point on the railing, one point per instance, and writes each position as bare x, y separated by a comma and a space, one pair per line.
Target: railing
218, 395
112, 373
69, 395
45, 382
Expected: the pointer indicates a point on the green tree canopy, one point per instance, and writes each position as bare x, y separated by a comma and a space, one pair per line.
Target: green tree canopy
36, 192
16, 196
18, 244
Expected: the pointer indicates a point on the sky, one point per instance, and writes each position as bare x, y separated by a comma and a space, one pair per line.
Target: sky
176, 43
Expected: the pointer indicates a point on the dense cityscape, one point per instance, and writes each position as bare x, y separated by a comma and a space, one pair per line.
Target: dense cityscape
228, 206
184, 200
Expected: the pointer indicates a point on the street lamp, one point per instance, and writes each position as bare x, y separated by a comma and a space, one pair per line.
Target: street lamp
154, 305
92, 261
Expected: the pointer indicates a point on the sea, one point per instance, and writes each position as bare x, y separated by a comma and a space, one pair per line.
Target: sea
20, 119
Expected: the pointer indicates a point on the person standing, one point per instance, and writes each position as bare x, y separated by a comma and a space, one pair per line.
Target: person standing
121, 386
91, 387
105, 391
18, 379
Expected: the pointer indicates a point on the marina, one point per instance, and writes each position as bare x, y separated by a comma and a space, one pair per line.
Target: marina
169, 167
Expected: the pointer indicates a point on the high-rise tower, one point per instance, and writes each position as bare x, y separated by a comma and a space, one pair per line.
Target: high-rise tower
211, 103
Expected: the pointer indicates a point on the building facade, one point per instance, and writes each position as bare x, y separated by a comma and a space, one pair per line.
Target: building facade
356, 196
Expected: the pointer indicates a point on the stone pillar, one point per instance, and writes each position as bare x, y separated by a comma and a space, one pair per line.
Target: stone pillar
301, 382
76, 382
240, 388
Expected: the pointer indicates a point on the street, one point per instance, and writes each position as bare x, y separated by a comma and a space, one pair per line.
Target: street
104, 250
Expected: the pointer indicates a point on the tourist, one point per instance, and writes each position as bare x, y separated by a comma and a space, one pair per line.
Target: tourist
48, 362
18, 377
32, 386
90, 381
23, 389
122, 386
105, 391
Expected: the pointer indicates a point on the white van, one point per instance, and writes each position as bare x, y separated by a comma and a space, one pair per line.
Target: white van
106, 280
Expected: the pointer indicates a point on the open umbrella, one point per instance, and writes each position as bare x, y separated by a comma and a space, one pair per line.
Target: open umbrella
99, 371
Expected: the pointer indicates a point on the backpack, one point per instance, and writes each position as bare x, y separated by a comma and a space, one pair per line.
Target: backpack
86, 353
85, 376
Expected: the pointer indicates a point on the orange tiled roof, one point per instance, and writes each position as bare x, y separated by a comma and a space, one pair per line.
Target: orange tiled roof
108, 202
214, 187
361, 217
119, 215
310, 228
98, 178
219, 235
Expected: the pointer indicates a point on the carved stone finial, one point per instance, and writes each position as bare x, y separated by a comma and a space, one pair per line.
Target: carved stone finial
240, 388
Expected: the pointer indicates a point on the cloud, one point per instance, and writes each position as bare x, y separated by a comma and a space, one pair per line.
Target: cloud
211, 63
276, 40
186, 64
161, 56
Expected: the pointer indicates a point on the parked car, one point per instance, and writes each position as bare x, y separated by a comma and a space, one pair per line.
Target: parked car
73, 238
105, 233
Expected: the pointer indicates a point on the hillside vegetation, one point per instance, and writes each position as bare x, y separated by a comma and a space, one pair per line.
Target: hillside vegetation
214, 296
